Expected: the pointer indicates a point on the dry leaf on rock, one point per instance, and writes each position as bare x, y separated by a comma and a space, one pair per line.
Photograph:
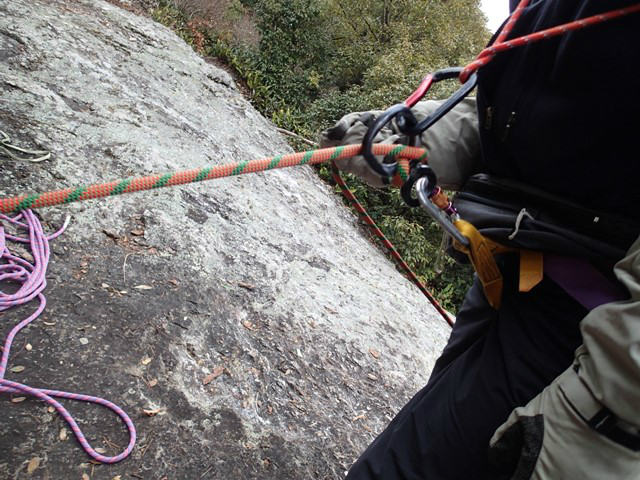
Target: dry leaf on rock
217, 371
248, 325
33, 465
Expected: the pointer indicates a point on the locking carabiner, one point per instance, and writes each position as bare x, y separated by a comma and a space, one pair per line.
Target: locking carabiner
432, 199
407, 122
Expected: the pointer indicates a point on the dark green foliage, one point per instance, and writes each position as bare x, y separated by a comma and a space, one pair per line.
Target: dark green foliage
308, 62
292, 50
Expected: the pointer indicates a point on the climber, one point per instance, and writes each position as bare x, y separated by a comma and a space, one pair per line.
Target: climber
548, 385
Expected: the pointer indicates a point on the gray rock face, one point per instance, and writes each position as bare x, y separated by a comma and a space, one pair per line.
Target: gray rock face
266, 278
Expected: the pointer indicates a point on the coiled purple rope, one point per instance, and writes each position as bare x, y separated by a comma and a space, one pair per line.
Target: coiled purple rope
32, 278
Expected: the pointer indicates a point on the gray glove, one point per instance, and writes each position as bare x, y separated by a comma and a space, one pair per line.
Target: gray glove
452, 143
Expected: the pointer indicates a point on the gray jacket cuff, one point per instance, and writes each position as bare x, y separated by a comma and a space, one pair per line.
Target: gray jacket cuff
611, 336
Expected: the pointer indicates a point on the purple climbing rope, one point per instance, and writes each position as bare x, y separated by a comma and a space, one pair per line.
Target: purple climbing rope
32, 280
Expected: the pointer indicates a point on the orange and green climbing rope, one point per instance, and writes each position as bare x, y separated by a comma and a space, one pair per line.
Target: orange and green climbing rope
118, 187
402, 153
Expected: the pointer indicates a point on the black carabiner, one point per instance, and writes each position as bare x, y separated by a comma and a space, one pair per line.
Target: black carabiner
417, 171
406, 121
385, 170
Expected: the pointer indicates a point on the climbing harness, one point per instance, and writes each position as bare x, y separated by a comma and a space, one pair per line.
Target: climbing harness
466, 238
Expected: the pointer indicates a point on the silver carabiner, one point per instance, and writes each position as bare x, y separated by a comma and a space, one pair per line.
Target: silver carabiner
423, 191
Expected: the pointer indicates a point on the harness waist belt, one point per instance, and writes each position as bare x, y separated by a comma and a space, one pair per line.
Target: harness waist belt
582, 281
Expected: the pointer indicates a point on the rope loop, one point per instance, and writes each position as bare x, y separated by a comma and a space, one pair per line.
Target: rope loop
31, 278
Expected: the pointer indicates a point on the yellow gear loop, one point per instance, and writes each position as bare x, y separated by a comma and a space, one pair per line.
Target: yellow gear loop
481, 252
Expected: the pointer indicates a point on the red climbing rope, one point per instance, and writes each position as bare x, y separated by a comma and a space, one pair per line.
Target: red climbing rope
388, 245
500, 45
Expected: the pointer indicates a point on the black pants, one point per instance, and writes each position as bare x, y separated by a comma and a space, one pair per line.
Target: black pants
494, 361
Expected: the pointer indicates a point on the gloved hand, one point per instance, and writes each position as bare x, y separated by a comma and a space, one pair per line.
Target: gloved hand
351, 129
550, 438
452, 143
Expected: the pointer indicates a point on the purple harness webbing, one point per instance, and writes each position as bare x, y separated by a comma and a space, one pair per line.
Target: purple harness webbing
582, 281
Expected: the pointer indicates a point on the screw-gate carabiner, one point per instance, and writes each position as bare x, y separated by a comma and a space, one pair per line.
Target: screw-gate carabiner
426, 185
407, 122
444, 221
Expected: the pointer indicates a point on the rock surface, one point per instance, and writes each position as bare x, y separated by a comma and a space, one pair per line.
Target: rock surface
265, 280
